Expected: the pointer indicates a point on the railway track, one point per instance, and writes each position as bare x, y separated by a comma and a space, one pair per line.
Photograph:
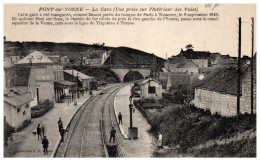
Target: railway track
109, 121
86, 135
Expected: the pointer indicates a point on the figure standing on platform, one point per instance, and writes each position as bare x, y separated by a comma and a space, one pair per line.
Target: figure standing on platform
112, 135
120, 118
45, 144
39, 132
160, 141
62, 133
60, 125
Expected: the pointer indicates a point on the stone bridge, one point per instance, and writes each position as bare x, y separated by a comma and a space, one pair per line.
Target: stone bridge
123, 72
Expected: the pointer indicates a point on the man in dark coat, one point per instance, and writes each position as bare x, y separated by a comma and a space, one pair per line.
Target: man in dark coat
62, 133
60, 125
39, 132
112, 135
120, 118
45, 144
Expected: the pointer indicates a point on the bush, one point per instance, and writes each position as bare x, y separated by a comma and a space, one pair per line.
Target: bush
243, 148
148, 104
186, 127
41, 108
8, 130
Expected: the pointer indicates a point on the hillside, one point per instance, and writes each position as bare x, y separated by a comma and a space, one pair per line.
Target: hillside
123, 56
100, 73
72, 50
120, 56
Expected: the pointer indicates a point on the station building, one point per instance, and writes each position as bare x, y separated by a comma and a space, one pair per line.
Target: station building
46, 79
150, 89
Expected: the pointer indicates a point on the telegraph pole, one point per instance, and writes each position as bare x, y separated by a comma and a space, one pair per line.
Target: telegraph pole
239, 66
252, 70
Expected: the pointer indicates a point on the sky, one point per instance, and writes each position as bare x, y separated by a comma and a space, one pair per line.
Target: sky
160, 38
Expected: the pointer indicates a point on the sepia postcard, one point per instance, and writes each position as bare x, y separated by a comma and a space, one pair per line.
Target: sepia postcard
129, 80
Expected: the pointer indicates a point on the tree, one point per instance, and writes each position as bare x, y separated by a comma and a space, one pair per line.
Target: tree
8, 130
189, 46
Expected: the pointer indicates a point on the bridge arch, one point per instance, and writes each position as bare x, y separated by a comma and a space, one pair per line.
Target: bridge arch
121, 72
132, 75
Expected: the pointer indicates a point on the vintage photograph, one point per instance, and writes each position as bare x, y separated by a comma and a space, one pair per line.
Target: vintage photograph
129, 80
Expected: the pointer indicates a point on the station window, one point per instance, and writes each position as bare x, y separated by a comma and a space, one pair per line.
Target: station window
151, 90
18, 110
24, 113
27, 105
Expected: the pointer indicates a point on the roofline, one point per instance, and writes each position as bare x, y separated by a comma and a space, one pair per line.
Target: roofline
89, 77
19, 105
34, 64
150, 80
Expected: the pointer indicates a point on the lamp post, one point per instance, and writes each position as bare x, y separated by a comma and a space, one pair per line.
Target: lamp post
131, 109
77, 85
132, 131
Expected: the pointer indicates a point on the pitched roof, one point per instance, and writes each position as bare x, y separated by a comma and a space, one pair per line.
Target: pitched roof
94, 54
222, 80
16, 99
190, 54
17, 76
184, 62
175, 60
35, 57
185, 79
148, 80
80, 74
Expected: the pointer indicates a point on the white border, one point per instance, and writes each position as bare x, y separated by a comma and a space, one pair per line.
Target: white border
123, 160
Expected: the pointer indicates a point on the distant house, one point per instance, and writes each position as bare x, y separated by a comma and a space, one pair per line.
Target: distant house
202, 59
227, 61
12, 53
17, 109
218, 92
182, 65
95, 58
15, 58
183, 79
105, 56
8, 62
92, 61
64, 60
150, 89
55, 58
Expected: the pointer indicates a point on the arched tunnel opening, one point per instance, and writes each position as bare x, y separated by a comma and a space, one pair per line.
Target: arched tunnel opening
132, 76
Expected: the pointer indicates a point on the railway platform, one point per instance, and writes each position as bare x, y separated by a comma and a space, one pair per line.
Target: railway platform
27, 143
144, 145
